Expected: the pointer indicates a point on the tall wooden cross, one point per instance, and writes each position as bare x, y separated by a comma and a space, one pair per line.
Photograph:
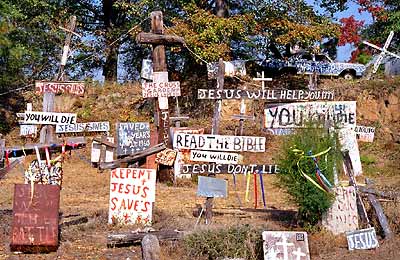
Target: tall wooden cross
158, 40
383, 50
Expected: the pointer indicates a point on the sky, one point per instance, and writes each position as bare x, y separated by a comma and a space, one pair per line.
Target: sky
344, 52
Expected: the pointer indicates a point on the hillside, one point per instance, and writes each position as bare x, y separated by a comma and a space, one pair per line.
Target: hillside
85, 191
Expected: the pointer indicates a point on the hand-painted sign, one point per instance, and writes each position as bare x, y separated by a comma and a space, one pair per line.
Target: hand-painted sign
161, 89
229, 168
232, 68
285, 245
132, 192
217, 157
28, 130
166, 157
365, 133
362, 239
266, 94
83, 127
49, 118
71, 87
132, 137
279, 131
342, 215
35, 219
212, 187
340, 114
96, 151
219, 142
348, 141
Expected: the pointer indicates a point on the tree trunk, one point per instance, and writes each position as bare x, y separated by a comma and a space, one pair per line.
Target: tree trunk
221, 8
111, 64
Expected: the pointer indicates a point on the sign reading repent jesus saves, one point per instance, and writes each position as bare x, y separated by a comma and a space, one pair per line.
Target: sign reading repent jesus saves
219, 142
132, 192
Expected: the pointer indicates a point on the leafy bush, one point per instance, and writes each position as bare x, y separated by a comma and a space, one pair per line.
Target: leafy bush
312, 201
240, 241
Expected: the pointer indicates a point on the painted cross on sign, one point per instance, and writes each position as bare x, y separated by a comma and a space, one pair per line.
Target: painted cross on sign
285, 245
132, 137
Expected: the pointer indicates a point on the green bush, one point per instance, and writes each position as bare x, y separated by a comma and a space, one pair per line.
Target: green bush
240, 241
312, 201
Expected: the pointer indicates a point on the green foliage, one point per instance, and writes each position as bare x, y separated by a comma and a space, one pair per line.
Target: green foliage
241, 241
367, 159
312, 201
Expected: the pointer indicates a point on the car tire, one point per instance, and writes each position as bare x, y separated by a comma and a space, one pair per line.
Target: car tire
348, 76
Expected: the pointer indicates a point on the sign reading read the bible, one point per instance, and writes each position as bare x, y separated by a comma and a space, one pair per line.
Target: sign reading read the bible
132, 137
132, 192
49, 118
35, 221
71, 87
219, 142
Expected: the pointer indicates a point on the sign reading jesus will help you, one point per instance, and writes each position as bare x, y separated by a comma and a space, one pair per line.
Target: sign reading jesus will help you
132, 192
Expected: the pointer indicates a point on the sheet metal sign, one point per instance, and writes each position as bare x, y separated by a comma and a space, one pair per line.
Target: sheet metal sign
212, 187
83, 127
285, 245
132, 137
339, 114
132, 192
35, 223
362, 239
70, 87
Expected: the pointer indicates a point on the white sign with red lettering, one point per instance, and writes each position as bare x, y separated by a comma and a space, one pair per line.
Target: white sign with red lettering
161, 88
132, 192
71, 87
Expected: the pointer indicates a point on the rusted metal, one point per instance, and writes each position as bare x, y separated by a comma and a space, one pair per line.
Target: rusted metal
35, 218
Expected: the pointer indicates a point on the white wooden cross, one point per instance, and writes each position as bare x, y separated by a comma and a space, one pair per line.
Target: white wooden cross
383, 50
262, 79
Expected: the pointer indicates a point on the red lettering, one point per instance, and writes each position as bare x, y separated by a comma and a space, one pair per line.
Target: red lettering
114, 173
136, 192
122, 204
121, 173
144, 195
136, 205
130, 203
128, 171
146, 204
114, 186
127, 188
121, 185
113, 201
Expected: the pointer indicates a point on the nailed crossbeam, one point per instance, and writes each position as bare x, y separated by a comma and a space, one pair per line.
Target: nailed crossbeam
129, 238
152, 38
133, 158
105, 142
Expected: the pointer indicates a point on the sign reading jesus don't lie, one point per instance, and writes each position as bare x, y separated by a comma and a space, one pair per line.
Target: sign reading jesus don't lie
132, 191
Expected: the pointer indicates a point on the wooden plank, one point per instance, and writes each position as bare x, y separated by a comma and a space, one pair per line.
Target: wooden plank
164, 39
68, 87
218, 103
225, 143
83, 127
388, 194
2, 148
105, 142
381, 216
243, 117
49, 118
266, 94
214, 168
135, 157
6, 169
130, 238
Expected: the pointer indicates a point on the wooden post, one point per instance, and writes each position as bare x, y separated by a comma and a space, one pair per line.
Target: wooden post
381, 216
218, 104
150, 247
2, 150
262, 79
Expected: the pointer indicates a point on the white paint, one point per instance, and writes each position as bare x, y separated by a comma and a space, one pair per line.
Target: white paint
96, 150
161, 89
285, 245
348, 141
49, 118
217, 157
71, 87
83, 127
365, 133
132, 192
362, 239
342, 216
219, 142
28, 130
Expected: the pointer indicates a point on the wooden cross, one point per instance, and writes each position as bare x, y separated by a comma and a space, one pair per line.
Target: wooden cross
383, 50
262, 79
158, 40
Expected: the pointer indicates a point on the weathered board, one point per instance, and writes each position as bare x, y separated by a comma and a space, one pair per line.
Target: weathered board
70, 87
217, 157
161, 89
183, 155
229, 168
219, 142
96, 150
232, 68
339, 114
83, 127
212, 187
28, 130
362, 239
166, 157
342, 216
132, 137
365, 133
132, 192
49, 118
286, 245
35, 223
266, 94
147, 69
348, 141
